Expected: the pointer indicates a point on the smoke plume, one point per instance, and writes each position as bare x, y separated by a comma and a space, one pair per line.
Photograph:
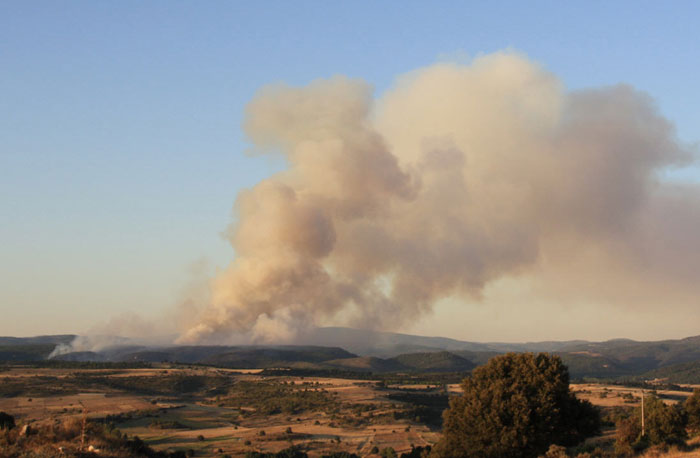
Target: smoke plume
459, 176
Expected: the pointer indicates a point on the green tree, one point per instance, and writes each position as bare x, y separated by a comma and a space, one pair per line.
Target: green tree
628, 432
663, 424
692, 408
516, 405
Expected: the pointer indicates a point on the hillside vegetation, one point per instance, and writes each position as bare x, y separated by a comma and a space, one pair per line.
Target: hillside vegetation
383, 352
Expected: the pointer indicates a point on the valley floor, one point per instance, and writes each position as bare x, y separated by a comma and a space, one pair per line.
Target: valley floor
213, 412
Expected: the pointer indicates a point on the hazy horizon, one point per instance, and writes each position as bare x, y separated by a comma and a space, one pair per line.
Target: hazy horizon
169, 340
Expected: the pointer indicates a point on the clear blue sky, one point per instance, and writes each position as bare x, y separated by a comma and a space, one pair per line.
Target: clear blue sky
120, 145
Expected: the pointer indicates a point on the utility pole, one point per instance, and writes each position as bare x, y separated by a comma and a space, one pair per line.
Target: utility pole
642, 412
83, 427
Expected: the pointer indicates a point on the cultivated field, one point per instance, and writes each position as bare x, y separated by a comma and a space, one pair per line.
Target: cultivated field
622, 396
208, 412
214, 412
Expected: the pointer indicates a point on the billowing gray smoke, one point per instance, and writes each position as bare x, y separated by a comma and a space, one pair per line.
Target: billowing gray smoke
458, 177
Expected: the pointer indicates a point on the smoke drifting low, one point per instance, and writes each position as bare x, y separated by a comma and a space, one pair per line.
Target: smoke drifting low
459, 176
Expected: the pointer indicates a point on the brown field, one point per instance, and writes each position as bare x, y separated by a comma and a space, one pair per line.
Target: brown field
213, 422
37, 409
171, 422
621, 396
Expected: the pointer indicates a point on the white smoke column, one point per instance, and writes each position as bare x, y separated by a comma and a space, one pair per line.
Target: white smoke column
459, 176
121, 330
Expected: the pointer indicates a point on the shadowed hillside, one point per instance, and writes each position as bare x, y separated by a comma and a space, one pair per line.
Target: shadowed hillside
372, 351
442, 361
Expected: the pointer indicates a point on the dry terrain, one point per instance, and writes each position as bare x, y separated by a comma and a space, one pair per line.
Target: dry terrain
217, 412
343, 415
616, 395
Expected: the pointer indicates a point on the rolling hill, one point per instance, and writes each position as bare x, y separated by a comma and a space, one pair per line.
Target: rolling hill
677, 373
373, 351
441, 361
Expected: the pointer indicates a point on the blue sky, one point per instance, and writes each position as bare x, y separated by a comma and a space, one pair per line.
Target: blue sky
120, 145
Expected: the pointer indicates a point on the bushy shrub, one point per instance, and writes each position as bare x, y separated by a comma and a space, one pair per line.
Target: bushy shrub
692, 409
663, 424
556, 451
516, 405
291, 452
270, 398
46, 438
417, 452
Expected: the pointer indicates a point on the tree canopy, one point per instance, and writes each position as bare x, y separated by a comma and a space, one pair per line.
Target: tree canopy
516, 405
663, 424
692, 408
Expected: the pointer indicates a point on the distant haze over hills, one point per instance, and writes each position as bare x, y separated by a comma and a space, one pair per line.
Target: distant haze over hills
350, 349
387, 344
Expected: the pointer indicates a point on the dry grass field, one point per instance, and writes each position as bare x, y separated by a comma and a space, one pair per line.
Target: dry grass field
349, 415
620, 396
212, 412
319, 431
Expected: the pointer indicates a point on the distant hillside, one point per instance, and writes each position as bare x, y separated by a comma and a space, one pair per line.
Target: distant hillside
441, 361
389, 344
549, 346
81, 356
37, 340
366, 350
477, 357
365, 364
582, 364
37, 348
239, 357
30, 352
622, 357
613, 358
385, 344
312, 357
684, 373
642, 354
242, 358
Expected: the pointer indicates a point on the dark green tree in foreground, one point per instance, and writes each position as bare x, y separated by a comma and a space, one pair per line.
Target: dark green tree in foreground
516, 405
7, 421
